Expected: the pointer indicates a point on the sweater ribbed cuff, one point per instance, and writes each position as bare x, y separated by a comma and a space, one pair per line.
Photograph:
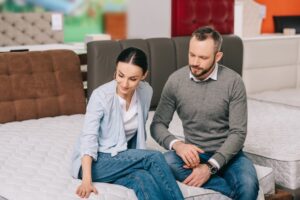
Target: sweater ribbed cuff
219, 158
168, 140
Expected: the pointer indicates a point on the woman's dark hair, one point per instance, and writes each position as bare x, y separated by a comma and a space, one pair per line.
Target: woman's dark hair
134, 56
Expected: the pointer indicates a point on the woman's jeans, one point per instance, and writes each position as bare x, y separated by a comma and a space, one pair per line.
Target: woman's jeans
144, 171
237, 179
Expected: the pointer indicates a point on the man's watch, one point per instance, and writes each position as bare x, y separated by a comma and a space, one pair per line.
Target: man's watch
212, 169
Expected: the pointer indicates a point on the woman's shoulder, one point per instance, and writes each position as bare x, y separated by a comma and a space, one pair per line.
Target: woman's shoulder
145, 86
109, 87
104, 91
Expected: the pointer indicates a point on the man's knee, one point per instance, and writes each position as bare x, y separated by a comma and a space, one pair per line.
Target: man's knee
248, 188
250, 182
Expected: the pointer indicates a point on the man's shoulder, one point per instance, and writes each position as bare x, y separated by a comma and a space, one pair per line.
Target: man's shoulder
230, 79
228, 73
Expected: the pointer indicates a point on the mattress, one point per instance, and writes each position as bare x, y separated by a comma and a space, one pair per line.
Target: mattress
35, 157
273, 138
288, 97
265, 174
35, 164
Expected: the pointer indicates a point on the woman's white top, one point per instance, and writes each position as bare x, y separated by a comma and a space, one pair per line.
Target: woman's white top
130, 116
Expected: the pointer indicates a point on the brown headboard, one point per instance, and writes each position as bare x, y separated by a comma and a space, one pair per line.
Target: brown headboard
40, 84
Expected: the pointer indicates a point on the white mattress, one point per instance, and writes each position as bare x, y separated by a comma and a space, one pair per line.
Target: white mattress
288, 97
35, 163
273, 139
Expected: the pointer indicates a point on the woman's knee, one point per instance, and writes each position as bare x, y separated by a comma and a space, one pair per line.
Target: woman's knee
156, 156
172, 158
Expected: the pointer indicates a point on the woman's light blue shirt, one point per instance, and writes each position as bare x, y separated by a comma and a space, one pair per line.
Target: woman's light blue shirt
103, 129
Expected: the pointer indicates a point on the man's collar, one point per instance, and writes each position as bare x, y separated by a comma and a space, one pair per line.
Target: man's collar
213, 75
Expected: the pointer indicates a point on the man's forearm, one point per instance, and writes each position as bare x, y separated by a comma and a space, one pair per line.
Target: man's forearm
232, 145
160, 134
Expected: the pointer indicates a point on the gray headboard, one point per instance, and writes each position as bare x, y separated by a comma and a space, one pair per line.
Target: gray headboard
165, 55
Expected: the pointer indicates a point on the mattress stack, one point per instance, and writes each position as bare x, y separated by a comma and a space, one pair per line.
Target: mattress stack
273, 135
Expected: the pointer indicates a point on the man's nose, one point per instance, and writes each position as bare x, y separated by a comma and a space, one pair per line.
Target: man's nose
195, 61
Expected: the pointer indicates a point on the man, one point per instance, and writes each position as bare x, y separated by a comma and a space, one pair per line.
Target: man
211, 102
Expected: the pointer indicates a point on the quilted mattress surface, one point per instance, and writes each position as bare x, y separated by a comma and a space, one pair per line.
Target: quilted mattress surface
35, 164
288, 97
273, 139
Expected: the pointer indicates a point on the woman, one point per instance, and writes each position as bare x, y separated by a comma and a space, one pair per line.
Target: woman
110, 148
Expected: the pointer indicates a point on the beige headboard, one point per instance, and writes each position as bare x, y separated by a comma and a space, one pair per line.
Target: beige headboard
27, 29
40, 84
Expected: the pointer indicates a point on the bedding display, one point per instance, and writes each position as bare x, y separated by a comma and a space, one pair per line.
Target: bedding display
273, 137
41, 114
35, 163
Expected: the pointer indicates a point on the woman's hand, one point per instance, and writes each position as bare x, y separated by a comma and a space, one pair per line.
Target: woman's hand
85, 189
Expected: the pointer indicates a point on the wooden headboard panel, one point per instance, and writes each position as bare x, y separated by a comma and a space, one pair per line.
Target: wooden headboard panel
40, 84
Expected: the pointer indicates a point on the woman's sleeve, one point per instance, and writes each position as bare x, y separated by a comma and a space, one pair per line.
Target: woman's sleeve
90, 132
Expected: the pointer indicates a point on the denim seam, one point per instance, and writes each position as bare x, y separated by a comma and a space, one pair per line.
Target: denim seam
162, 175
232, 194
141, 185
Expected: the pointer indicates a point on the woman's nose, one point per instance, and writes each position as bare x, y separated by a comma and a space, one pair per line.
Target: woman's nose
125, 83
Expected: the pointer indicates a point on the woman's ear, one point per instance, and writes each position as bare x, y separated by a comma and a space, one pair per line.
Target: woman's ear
114, 76
145, 76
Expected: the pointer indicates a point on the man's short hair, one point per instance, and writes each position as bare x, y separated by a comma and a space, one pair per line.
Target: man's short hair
205, 32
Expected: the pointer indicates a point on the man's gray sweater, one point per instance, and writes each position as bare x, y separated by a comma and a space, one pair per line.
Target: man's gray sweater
213, 112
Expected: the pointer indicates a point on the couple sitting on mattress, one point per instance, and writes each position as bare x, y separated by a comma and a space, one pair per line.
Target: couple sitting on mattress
211, 102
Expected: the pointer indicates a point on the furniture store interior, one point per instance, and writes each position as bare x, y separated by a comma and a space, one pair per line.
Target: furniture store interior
59, 58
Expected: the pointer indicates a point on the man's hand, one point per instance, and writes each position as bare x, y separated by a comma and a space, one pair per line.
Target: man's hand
199, 176
188, 153
85, 189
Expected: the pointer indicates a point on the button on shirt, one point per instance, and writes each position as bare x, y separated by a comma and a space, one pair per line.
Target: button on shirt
130, 116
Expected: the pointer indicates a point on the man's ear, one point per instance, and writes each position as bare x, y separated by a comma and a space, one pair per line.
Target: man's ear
145, 75
219, 56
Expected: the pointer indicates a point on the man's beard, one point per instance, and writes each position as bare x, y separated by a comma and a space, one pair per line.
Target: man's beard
203, 71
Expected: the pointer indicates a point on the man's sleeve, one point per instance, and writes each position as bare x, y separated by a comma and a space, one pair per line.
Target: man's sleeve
237, 124
163, 115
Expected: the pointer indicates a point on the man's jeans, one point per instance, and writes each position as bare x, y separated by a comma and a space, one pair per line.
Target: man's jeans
237, 180
144, 171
